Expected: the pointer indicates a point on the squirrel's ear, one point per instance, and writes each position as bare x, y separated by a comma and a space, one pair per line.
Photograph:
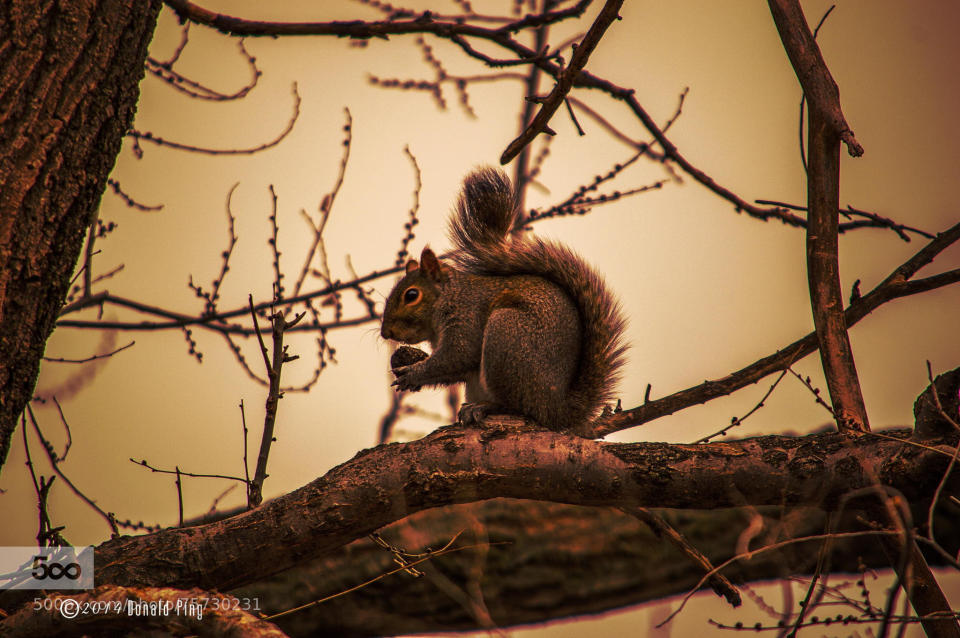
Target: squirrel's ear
431, 265
412, 265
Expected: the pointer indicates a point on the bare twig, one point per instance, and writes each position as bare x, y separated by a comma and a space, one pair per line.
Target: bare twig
211, 298
457, 31
720, 584
131, 202
279, 325
47, 534
446, 549
179, 498
55, 464
768, 548
822, 559
736, 421
159, 141
814, 391
870, 220
550, 104
90, 358
179, 472
326, 206
164, 71
403, 253
246, 465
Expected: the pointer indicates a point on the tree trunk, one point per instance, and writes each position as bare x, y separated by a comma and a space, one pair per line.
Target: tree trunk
69, 85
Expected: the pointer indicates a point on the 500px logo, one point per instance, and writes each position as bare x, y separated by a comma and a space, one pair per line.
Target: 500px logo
54, 571
59, 567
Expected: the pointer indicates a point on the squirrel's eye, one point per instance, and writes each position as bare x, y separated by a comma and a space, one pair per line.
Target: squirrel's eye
411, 295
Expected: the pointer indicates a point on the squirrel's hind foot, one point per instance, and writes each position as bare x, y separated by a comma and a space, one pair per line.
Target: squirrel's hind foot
474, 413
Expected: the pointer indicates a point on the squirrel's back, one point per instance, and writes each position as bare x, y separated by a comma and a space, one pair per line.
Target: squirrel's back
483, 229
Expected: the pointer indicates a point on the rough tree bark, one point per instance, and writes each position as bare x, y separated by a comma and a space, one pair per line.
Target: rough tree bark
69, 75
69, 85
460, 464
597, 559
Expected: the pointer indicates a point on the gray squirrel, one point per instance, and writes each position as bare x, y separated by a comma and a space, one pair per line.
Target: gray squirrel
525, 323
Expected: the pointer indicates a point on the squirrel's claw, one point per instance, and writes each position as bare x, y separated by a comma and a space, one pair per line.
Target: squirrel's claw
471, 413
402, 383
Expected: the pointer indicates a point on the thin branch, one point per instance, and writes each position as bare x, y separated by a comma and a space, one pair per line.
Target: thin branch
644, 147
178, 320
736, 421
47, 534
456, 31
131, 202
94, 357
822, 558
279, 324
719, 583
424, 23
550, 104
871, 220
55, 464
326, 206
403, 253
211, 298
803, 96
274, 242
768, 548
179, 472
522, 173
179, 484
446, 549
164, 71
897, 284
814, 391
246, 464
159, 141
88, 254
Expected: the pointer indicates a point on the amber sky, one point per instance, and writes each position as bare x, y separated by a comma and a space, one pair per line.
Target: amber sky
707, 290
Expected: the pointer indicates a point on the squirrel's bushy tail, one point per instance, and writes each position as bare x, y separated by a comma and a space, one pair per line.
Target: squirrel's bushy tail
481, 229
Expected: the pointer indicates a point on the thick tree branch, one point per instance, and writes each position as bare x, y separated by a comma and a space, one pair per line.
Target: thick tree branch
818, 85
823, 276
826, 126
458, 465
623, 563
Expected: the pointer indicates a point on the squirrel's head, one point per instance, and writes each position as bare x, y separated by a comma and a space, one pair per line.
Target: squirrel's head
408, 315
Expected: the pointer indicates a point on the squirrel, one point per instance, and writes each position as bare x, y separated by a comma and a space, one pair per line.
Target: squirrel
525, 323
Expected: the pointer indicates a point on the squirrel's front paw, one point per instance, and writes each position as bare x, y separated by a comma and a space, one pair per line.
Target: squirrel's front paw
405, 379
402, 364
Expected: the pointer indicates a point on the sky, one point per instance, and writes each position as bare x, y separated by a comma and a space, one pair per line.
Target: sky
706, 290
